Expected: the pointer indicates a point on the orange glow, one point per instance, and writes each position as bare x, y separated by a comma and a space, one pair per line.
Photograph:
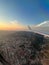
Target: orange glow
7, 26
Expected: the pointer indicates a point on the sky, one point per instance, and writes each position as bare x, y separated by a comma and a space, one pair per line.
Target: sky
17, 14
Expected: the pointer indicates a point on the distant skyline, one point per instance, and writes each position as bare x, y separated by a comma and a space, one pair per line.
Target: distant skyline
17, 14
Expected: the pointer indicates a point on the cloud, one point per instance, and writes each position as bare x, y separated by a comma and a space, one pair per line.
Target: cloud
42, 27
43, 24
14, 22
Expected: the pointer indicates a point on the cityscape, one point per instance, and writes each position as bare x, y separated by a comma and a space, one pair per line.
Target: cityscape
24, 32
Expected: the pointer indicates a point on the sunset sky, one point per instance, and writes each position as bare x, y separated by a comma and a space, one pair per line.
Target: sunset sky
17, 14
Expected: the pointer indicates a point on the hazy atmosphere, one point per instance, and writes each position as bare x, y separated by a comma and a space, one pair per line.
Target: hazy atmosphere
18, 14
24, 32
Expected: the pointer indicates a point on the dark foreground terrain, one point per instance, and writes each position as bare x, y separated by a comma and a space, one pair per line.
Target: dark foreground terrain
24, 48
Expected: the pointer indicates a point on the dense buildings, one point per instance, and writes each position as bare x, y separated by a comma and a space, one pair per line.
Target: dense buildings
24, 48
